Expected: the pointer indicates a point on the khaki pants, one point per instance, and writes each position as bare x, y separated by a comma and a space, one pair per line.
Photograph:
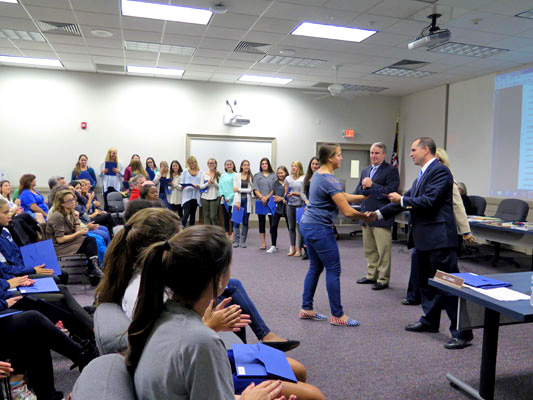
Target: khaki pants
377, 245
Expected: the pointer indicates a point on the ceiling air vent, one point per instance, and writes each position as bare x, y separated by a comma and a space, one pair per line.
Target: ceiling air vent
252, 47
60, 28
409, 64
109, 68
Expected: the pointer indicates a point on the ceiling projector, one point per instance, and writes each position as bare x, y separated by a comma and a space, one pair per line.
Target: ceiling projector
431, 35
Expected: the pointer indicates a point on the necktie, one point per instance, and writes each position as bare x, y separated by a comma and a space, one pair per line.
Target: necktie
419, 176
373, 171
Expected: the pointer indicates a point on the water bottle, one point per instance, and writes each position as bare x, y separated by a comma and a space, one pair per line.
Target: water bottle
531, 287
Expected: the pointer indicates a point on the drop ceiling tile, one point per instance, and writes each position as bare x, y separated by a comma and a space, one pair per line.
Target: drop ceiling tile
226, 33
206, 61
514, 43
9, 51
231, 20
48, 3
212, 53
357, 6
86, 58
69, 48
197, 74
63, 39
509, 8
407, 27
12, 10
264, 37
181, 28
51, 14
248, 7
475, 37
169, 64
285, 10
528, 34
200, 68
107, 43
276, 25
173, 58
100, 6
387, 39
245, 56
142, 24
111, 60
222, 80
39, 53
29, 45
267, 67
494, 23
237, 64
104, 51
22, 24
78, 66
233, 77
376, 22
141, 36
181, 40
140, 55
218, 44
5, 43
397, 8
86, 32
98, 19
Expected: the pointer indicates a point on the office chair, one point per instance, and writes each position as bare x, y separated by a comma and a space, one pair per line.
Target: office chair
509, 210
478, 205
116, 206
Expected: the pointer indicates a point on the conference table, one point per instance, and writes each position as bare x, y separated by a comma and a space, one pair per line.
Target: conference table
517, 311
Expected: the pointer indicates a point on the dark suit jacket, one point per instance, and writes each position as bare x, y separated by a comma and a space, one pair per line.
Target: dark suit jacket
385, 180
432, 223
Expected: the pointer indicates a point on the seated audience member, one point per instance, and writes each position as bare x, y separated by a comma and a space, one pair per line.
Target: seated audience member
170, 332
27, 339
149, 191
136, 184
68, 236
121, 282
83, 171
30, 199
90, 213
5, 194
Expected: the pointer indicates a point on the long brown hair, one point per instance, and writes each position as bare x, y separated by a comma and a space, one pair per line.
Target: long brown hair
59, 198
25, 182
137, 168
145, 227
77, 168
187, 264
309, 175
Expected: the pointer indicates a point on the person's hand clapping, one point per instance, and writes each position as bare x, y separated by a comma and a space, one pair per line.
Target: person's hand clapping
366, 182
267, 390
222, 318
11, 301
395, 197
18, 281
40, 269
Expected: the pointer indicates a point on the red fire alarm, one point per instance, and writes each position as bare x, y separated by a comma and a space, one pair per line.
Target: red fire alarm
84, 125
349, 133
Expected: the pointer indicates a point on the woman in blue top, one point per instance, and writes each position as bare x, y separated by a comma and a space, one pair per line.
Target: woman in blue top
30, 199
151, 168
326, 197
225, 190
83, 171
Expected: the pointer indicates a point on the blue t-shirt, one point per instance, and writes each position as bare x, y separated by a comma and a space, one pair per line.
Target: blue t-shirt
27, 198
321, 208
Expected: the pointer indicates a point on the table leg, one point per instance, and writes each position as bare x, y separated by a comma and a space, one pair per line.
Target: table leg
488, 354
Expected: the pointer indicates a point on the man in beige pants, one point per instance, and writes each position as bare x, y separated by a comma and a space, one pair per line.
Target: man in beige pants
377, 180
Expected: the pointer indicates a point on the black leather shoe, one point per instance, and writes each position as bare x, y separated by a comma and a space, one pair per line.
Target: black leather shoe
457, 344
366, 281
283, 346
420, 327
380, 286
406, 302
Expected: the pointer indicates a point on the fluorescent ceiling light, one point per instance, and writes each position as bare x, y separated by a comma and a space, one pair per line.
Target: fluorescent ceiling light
159, 48
166, 12
31, 61
265, 79
292, 61
9, 1
332, 32
155, 71
402, 72
21, 35
526, 14
469, 50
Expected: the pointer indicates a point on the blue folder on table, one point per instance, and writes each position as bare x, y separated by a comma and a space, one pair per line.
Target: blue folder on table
41, 285
109, 166
272, 205
299, 214
482, 282
261, 209
8, 312
41, 253
261, 361
237, 215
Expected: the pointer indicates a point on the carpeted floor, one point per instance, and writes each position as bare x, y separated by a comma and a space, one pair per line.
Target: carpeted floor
379, 359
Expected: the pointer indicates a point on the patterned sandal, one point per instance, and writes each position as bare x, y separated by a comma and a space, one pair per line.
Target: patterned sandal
314, 317
339, 322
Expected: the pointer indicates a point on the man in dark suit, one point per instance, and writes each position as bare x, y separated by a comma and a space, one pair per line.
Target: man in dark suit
377, 181
433, 232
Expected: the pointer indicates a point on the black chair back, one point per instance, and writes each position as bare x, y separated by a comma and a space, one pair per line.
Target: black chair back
478, 205
512, 210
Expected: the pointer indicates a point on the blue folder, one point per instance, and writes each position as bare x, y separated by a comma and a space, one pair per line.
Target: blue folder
261, 361
237, 215
272, 205
109, 166
206, 188
261, 209
226, 206
186, 184
479, 281
41, 285
41, 253
165, 182
8, 312
299, 213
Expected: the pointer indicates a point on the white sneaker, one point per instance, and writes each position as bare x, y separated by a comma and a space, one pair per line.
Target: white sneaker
272, 250
21, 392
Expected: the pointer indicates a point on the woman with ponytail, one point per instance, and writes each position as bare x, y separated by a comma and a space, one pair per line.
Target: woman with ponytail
191, 360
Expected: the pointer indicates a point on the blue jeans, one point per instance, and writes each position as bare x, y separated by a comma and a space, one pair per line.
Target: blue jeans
238, 295
323, 254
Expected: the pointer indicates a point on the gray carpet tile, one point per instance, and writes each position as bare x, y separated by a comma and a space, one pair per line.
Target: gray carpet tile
379, 359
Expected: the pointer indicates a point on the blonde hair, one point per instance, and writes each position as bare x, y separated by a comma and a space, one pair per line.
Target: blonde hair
59, 198
108, 155
137, 168
192, 159
442, 156
168, 169
300, 167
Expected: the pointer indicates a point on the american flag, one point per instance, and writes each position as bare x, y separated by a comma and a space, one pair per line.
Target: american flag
394, 157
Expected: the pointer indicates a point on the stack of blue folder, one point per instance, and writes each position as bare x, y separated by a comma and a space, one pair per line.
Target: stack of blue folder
482, 282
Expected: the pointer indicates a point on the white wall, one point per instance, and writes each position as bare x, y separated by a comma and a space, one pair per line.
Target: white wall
421, 114
41, 112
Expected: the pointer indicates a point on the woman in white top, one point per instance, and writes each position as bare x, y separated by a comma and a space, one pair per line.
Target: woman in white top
209, 190
111, 183
175, 194
242, 186
190, 197
293, 192
5, 193
162, 181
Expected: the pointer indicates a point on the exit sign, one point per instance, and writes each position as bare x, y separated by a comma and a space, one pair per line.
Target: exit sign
349, 133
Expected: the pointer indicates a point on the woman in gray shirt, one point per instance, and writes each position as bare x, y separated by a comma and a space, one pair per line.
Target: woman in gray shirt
263, 187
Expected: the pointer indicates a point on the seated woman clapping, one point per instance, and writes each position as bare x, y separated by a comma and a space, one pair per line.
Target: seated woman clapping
30, 199
193, 268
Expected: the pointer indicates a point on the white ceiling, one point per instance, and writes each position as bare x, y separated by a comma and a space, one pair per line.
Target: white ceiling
481, 22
